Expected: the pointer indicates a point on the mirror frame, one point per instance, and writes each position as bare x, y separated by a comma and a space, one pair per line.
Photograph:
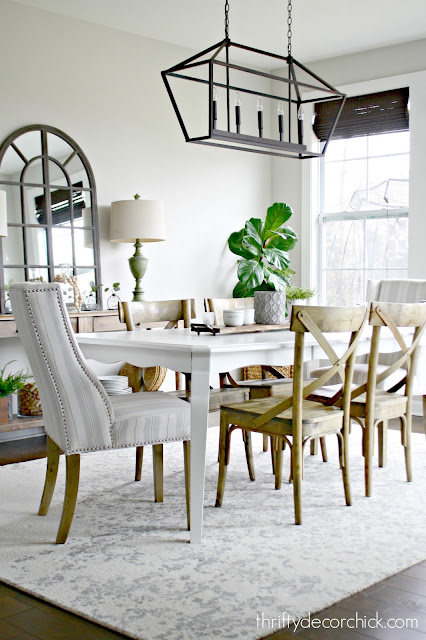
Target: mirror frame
46, 185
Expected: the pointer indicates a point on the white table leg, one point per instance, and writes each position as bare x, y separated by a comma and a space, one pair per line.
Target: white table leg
199, 422
424, 413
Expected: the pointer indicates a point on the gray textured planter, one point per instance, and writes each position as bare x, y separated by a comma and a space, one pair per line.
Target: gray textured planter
269, 307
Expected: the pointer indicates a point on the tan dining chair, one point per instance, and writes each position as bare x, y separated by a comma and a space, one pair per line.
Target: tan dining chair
79, 417
166, 314
372, 406
169, 314
217, 306
294, 418
269, 383
404, 290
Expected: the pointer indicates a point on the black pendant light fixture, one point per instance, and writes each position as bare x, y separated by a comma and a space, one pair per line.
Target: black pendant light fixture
235, 106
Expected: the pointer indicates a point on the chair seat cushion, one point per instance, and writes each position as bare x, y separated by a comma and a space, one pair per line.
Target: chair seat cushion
317, 419
360, 375
149, 418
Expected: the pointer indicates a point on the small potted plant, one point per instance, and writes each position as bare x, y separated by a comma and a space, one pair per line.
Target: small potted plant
262, 268
90, 301
113, 300
296, 295
9, 384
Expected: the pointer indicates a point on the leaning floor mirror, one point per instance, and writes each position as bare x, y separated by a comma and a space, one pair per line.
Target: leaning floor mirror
49, 202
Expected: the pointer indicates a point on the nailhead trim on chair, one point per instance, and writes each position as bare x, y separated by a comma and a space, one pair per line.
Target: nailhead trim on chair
80, 362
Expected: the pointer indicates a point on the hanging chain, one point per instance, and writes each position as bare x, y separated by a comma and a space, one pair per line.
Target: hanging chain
289, 21
226, 19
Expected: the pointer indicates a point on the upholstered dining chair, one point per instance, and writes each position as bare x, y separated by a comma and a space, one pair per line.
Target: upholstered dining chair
169, 313
371, 406
293, 417
79, 417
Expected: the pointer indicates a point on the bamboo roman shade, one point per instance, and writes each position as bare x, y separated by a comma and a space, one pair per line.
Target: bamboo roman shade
383, 112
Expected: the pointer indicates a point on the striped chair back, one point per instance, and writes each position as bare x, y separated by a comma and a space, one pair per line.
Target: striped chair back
77, 413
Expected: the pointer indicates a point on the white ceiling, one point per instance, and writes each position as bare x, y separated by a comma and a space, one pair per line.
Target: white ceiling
321, 28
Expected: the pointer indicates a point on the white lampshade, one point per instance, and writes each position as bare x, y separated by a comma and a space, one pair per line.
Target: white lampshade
137, 220
3, 214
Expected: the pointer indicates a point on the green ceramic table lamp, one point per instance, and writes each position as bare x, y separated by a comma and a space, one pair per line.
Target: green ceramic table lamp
137, 221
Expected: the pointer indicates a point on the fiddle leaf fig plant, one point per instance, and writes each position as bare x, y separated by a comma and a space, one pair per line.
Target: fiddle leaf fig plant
263, 247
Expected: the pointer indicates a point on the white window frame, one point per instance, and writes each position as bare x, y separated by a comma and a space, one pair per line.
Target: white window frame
362, 216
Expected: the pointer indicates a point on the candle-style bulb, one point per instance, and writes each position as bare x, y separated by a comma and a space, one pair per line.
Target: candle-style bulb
259, 108
280, 112
214, 107
300, 118
237, 103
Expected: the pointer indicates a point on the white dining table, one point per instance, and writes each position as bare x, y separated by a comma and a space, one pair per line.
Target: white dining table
202, 355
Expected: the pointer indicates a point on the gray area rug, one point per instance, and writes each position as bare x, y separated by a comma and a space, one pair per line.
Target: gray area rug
128, 564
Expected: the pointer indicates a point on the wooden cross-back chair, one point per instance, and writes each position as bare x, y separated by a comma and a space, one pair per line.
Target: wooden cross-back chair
295, 418
149, 315
218, 305
168, 314
270, 384
153, 314
371, 406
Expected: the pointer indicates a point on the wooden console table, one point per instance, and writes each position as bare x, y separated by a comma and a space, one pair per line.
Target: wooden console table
83, 322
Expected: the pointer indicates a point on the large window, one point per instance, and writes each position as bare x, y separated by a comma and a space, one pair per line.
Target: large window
363, 214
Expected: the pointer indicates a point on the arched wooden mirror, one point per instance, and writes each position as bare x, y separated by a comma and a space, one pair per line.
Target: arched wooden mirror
52, 218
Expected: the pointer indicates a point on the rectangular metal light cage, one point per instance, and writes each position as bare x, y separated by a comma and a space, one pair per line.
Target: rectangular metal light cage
297, 87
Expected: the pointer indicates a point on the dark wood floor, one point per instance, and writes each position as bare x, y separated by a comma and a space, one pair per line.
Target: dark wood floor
401, 597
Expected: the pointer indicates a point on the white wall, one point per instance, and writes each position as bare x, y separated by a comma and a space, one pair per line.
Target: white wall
104, 89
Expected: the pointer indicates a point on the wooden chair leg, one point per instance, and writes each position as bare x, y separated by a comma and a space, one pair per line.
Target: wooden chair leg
368, 453
407, 447
278, 464
249, 453
187, 463
344, 465
139, 459
323, 444
70, 499
157, 460
265, 442
314, 446
53, 453
383, 444
137, 377
223, 444
273, 453
296, 455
